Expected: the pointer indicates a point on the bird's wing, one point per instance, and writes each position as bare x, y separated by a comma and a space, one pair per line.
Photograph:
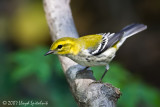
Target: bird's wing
108, 40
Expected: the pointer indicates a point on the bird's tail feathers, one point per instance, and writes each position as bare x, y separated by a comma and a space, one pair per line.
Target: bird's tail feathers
129, 31
133, 29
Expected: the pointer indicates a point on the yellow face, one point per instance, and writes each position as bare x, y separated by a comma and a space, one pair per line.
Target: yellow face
65, 46
73, 46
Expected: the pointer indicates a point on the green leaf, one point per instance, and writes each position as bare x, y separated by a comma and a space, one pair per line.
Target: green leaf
31, 62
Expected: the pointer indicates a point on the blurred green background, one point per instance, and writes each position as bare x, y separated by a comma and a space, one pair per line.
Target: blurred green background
25, 74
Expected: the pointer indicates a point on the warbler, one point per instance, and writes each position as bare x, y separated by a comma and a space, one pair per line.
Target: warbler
96, 49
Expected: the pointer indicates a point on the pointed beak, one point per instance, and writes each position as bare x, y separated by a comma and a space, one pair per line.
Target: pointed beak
49, 52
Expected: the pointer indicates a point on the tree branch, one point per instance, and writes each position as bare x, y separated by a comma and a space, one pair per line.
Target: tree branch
86, 91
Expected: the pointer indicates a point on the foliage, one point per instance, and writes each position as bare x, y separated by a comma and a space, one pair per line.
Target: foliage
29, 63
33, 76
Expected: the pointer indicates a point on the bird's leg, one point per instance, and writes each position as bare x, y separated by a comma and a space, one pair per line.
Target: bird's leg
107, 68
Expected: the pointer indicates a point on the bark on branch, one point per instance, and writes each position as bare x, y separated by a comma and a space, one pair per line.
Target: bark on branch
85, 90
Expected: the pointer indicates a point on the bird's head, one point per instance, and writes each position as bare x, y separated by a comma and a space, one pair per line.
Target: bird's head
64, 46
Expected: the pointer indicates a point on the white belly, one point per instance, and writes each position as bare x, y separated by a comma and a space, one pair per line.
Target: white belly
86, 59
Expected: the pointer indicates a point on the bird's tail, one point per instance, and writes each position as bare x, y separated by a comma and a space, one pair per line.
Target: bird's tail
130, 30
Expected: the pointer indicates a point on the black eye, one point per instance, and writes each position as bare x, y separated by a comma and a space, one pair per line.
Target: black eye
59, 46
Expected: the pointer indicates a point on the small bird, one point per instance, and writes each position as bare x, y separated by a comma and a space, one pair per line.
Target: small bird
96, 49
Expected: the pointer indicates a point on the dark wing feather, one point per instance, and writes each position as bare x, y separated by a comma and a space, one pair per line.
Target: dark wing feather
101, 44
112, 39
